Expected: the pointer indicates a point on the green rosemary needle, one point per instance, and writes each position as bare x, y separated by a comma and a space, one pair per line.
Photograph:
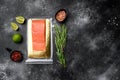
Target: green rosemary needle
60, 42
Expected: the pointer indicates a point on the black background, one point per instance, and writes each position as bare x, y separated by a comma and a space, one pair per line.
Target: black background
93, 46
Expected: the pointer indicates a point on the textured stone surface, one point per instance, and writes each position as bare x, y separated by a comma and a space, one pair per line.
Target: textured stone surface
93, 45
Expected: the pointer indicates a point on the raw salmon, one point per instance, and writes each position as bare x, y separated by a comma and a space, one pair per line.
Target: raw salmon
39, 35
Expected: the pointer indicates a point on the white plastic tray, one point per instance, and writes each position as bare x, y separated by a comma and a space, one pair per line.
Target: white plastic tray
43, 60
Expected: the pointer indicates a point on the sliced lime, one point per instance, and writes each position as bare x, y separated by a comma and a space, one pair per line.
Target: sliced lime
14, 26
20, 19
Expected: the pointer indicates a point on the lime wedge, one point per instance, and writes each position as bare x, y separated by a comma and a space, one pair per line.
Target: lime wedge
14, 26
20, 19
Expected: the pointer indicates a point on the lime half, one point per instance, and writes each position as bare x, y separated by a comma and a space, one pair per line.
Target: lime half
14, 26
17, 38
20, 19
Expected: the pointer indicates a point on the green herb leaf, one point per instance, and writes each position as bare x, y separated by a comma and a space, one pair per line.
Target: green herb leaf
60, 42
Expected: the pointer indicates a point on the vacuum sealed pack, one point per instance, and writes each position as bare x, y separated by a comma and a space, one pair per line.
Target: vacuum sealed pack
39, 41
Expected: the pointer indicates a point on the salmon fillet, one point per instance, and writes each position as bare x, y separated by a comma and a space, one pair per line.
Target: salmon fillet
39, 35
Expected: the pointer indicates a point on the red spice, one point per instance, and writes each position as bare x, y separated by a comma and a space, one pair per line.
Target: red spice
16, 56
61, 15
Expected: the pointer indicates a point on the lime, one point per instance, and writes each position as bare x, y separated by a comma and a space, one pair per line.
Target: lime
20, 19
14, 26
17, 38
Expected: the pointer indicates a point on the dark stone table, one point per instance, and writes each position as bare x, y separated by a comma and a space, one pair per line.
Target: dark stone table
93, 43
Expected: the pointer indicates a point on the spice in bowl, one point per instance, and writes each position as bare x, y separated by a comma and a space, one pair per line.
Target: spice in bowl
16, 56
61, 15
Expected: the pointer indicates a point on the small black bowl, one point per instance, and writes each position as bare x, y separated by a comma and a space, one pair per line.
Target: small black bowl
64, 16
15, 55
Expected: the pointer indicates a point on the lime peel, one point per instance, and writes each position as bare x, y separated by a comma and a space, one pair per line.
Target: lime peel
17, 38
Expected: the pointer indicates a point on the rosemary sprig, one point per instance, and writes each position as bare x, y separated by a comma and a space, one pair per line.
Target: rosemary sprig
60, 42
